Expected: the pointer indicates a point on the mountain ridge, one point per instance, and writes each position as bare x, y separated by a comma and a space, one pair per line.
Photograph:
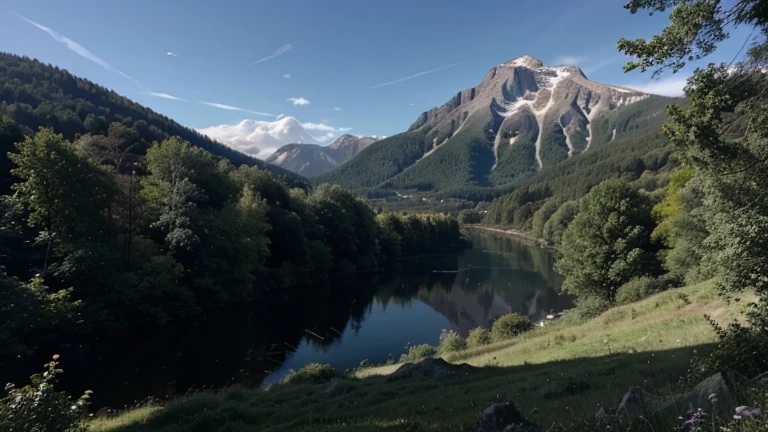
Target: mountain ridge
523, 116
310, 160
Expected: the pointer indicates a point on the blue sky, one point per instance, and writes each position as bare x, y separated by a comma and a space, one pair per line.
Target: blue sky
372, 66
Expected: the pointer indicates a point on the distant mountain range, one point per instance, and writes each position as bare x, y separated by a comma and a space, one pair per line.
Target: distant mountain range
522, 117
310, 160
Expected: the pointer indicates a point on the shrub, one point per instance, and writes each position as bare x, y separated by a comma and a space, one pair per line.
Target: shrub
314, 373
417, 352
451, 341
638, 289
478, 337
39, 407
590, 307
510, 325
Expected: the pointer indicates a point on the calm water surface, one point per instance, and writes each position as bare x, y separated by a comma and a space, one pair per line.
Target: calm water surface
373, 317
500, 274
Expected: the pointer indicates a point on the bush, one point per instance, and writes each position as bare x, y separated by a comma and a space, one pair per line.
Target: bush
590, 307
39, 407
510, 325
418, 352
638, 289
478, 337
451, 341
314, 373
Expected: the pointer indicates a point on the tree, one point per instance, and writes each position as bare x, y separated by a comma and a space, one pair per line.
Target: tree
608, 243
723, 130
10, 134
66, 195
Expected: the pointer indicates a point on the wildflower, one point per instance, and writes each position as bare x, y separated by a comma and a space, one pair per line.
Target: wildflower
56, 356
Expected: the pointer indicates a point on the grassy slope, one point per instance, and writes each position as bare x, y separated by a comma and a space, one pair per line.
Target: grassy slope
650, 344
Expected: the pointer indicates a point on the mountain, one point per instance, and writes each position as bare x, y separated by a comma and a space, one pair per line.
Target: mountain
34, 94
523, 117
310, 160
260, 138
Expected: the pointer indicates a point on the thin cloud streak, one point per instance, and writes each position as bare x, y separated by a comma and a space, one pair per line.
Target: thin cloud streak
299, 101
77, 48
234, 108
278, 52
171, 54
409, 77
165, 96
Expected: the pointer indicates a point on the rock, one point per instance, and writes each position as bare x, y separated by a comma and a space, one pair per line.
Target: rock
745, 412
339, 386
719, 388
503, 417
427, 368
105, 412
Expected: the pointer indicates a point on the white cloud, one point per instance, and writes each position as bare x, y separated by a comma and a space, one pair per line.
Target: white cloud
298, 101
338, 109
409, 77
318, 126
278, 52
171, 54
234, 108
279, 116
286, 76
327, 137
165, 96
670, 86
344, 129
378, 137
77, 48
260, 138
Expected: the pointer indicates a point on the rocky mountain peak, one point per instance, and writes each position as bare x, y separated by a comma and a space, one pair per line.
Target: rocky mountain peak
525, 61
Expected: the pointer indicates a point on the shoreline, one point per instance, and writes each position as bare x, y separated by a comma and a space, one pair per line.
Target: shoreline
512, 233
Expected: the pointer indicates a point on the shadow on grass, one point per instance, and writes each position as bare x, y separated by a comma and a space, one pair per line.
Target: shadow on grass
559, 391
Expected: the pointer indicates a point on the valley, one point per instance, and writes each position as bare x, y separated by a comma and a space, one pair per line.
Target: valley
383, 217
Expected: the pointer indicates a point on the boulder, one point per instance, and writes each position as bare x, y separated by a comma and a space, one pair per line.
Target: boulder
503, 417
428, 368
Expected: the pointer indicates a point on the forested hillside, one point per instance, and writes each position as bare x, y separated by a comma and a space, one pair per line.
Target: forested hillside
34, 95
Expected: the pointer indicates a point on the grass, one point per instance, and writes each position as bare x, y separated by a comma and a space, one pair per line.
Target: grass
565, 370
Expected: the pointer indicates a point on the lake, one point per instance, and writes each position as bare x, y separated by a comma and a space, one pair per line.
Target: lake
373, 317
498, 275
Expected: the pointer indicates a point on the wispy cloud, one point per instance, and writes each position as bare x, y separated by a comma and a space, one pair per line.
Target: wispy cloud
671, 86
278, 52
344, 129
571, 60
165, 96
587, 64
171, 54
338, 109
234, 108
286, 76
413, 104
409, 77
319, 126
77, 48
279, 116
300, 101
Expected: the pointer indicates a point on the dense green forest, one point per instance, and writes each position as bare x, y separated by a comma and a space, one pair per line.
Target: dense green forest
34, 95
116, 233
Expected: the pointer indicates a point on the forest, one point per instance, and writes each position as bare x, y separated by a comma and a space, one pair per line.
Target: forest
109, 233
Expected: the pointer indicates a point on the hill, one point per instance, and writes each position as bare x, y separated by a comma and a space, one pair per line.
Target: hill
34, 94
